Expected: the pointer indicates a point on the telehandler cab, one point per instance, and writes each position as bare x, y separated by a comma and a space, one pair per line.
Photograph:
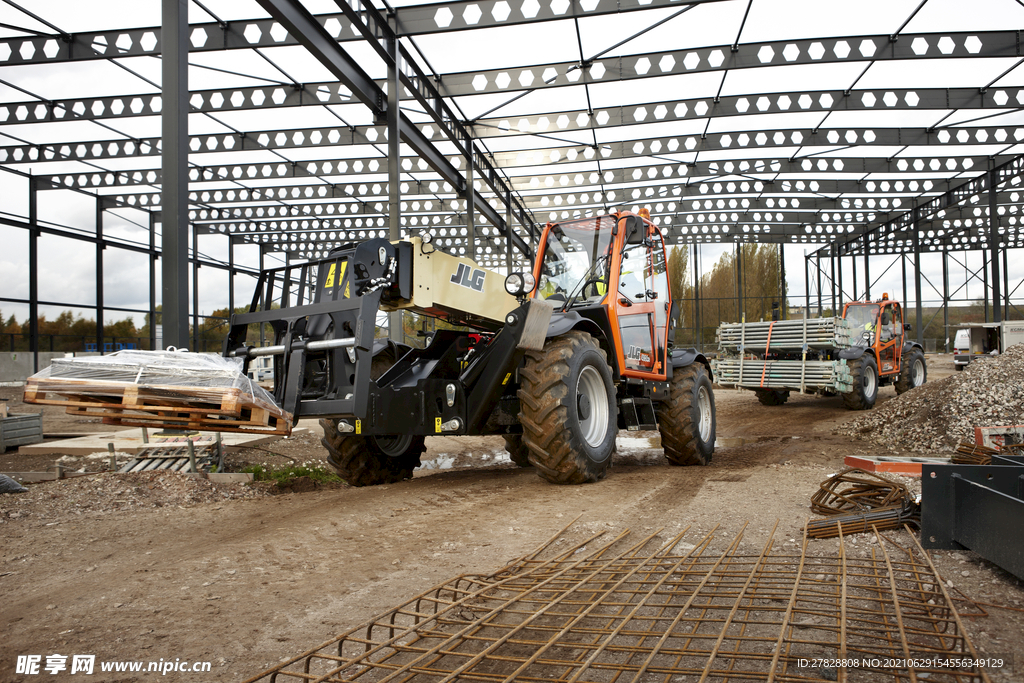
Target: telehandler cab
556, 360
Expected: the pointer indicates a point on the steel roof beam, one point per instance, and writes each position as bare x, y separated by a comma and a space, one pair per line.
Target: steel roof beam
330, 92
263, 33
935, 165
905, 223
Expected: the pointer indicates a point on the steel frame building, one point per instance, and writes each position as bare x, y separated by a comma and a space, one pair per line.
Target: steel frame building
719, 137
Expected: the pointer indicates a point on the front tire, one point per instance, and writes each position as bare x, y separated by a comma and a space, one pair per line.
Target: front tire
865, 384
687, 420
517, 450
772, 397
371, 460
568, 409
913, 372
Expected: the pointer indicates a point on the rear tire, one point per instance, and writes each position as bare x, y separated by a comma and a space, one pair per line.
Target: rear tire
372, 460
517, 450
865, 384
772, 397
687, 420
913, 373
568, 409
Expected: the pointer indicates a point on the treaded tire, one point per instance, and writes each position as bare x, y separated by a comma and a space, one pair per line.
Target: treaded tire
556, 423
371, 460
865, 384
517, 450
771, 397
913, 373
691, 404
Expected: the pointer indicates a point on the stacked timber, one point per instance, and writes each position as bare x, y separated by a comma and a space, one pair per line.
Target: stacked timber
791, 336
168, 389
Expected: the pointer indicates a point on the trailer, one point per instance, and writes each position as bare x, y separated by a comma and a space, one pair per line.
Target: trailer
980, 340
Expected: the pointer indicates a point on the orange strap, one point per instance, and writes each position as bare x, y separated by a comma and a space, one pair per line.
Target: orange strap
764, 368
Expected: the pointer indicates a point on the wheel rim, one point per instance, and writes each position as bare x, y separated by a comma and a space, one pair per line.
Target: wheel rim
870, 381
917, 373
704, 419
393, 445
594, 428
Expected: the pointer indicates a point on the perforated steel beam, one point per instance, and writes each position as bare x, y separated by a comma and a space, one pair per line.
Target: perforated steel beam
330, 92
263, 33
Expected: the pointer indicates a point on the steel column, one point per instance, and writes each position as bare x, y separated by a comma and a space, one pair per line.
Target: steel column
867, 269
807, 285
395, 327
945, 300
99, 274
832, 262
195, 290
1006, 284
916, 237
231, 277
783, 303
839, 284
818, 268
33, 273
174, 39
152, 282
508, 226
993, 240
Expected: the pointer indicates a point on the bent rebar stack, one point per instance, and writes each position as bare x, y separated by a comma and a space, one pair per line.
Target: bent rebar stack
616, 611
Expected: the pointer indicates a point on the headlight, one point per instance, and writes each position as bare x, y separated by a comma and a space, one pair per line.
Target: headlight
518, 284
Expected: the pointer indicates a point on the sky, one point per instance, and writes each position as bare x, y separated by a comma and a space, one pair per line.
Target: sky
68, 268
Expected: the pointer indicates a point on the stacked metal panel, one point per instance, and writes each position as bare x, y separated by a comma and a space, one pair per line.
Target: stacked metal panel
795, 375
785, 336
773, 355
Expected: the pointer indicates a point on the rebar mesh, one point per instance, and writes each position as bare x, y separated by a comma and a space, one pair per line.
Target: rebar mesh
612, 611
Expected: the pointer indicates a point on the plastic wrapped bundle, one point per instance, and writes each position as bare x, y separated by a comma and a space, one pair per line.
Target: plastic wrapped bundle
170, 389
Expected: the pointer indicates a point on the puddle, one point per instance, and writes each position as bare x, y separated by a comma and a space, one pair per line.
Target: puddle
731, 442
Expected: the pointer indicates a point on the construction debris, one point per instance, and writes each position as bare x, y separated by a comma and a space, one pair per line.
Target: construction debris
943, 413
160, 389
857, 501
625, 610
968, 453
855, 490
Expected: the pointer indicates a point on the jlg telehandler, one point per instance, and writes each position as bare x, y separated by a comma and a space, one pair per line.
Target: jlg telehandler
556, 360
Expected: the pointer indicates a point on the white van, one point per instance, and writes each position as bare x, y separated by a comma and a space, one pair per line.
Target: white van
962, 349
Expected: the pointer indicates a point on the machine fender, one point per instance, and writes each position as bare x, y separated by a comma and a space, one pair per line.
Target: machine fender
852, 353
681, 358
563, 321
911, 345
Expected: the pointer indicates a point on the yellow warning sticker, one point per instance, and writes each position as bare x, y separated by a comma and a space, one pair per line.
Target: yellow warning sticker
359, 427
507, 377
329, 282
437, 425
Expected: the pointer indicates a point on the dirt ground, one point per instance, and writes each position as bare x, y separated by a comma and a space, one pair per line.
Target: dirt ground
246, 580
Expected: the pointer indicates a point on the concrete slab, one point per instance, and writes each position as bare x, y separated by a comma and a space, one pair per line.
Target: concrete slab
907, 466
130, 441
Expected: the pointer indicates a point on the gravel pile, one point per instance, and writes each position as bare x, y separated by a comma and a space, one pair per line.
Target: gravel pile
941, 414
110, 492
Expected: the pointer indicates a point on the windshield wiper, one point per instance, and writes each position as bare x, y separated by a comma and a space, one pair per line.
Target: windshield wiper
587, 278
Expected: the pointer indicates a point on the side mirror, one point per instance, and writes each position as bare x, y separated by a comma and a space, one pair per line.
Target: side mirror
906, 327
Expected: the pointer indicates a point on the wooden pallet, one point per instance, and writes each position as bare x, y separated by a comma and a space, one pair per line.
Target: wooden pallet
227, 409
